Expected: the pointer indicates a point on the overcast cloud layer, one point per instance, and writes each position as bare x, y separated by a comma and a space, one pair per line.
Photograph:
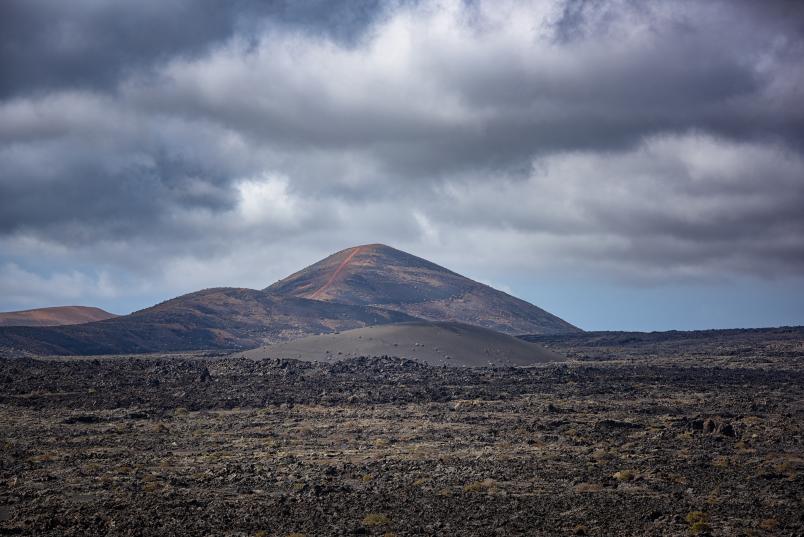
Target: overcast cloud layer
156, 147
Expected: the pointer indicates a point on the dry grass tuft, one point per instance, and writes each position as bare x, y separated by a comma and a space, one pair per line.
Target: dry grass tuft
624, 475
588, 487
375, 519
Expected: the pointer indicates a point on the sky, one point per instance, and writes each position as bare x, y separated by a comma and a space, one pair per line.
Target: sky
624, 164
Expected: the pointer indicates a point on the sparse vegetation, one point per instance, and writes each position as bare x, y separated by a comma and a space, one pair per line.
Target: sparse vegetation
721, 462
375, 519
625, 475
698, 522
480, 486
294, 456
588, 487
769, 524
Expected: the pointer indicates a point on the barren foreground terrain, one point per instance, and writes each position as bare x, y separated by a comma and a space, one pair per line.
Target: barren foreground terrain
675, 437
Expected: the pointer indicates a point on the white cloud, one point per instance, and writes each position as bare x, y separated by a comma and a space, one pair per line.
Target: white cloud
26, 289
639, 141
676, 206
266, 199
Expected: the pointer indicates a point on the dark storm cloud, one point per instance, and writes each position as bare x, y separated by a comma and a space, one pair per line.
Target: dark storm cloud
52, 44
652, 139
484, 102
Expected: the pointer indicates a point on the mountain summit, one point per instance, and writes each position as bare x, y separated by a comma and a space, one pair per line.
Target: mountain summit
378, 275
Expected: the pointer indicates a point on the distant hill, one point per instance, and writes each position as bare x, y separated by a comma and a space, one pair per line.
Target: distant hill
382, 276
451, 344
55, 316
358, 287
222, 318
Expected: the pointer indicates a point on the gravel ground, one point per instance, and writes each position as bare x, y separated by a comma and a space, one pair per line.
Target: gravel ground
676, 442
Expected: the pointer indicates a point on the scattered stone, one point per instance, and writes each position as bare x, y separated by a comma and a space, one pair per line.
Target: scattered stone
281, 447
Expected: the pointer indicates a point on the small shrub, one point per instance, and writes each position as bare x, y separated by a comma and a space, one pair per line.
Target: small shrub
124, 469
624, 475
44, 457
160, 428
769, 524
479, 486
475, 486
721, 462
698, 522
375, 519
696, 516
787, 468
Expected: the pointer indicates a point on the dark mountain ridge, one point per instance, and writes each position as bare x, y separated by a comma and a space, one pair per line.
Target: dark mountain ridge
220, 318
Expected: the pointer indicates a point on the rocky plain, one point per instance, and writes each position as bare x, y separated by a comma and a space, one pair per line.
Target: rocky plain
636, 434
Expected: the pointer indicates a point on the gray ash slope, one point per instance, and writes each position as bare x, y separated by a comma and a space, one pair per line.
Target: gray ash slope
447, 343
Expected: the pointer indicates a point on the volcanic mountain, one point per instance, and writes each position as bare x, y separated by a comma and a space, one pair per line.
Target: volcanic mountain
450, 344
378, 275
359, 287
55, 316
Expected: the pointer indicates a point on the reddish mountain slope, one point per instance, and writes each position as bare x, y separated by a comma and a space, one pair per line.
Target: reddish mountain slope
55, 316
382, 276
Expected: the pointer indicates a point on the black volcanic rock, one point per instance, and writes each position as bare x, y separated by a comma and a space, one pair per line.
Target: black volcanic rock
382, 276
